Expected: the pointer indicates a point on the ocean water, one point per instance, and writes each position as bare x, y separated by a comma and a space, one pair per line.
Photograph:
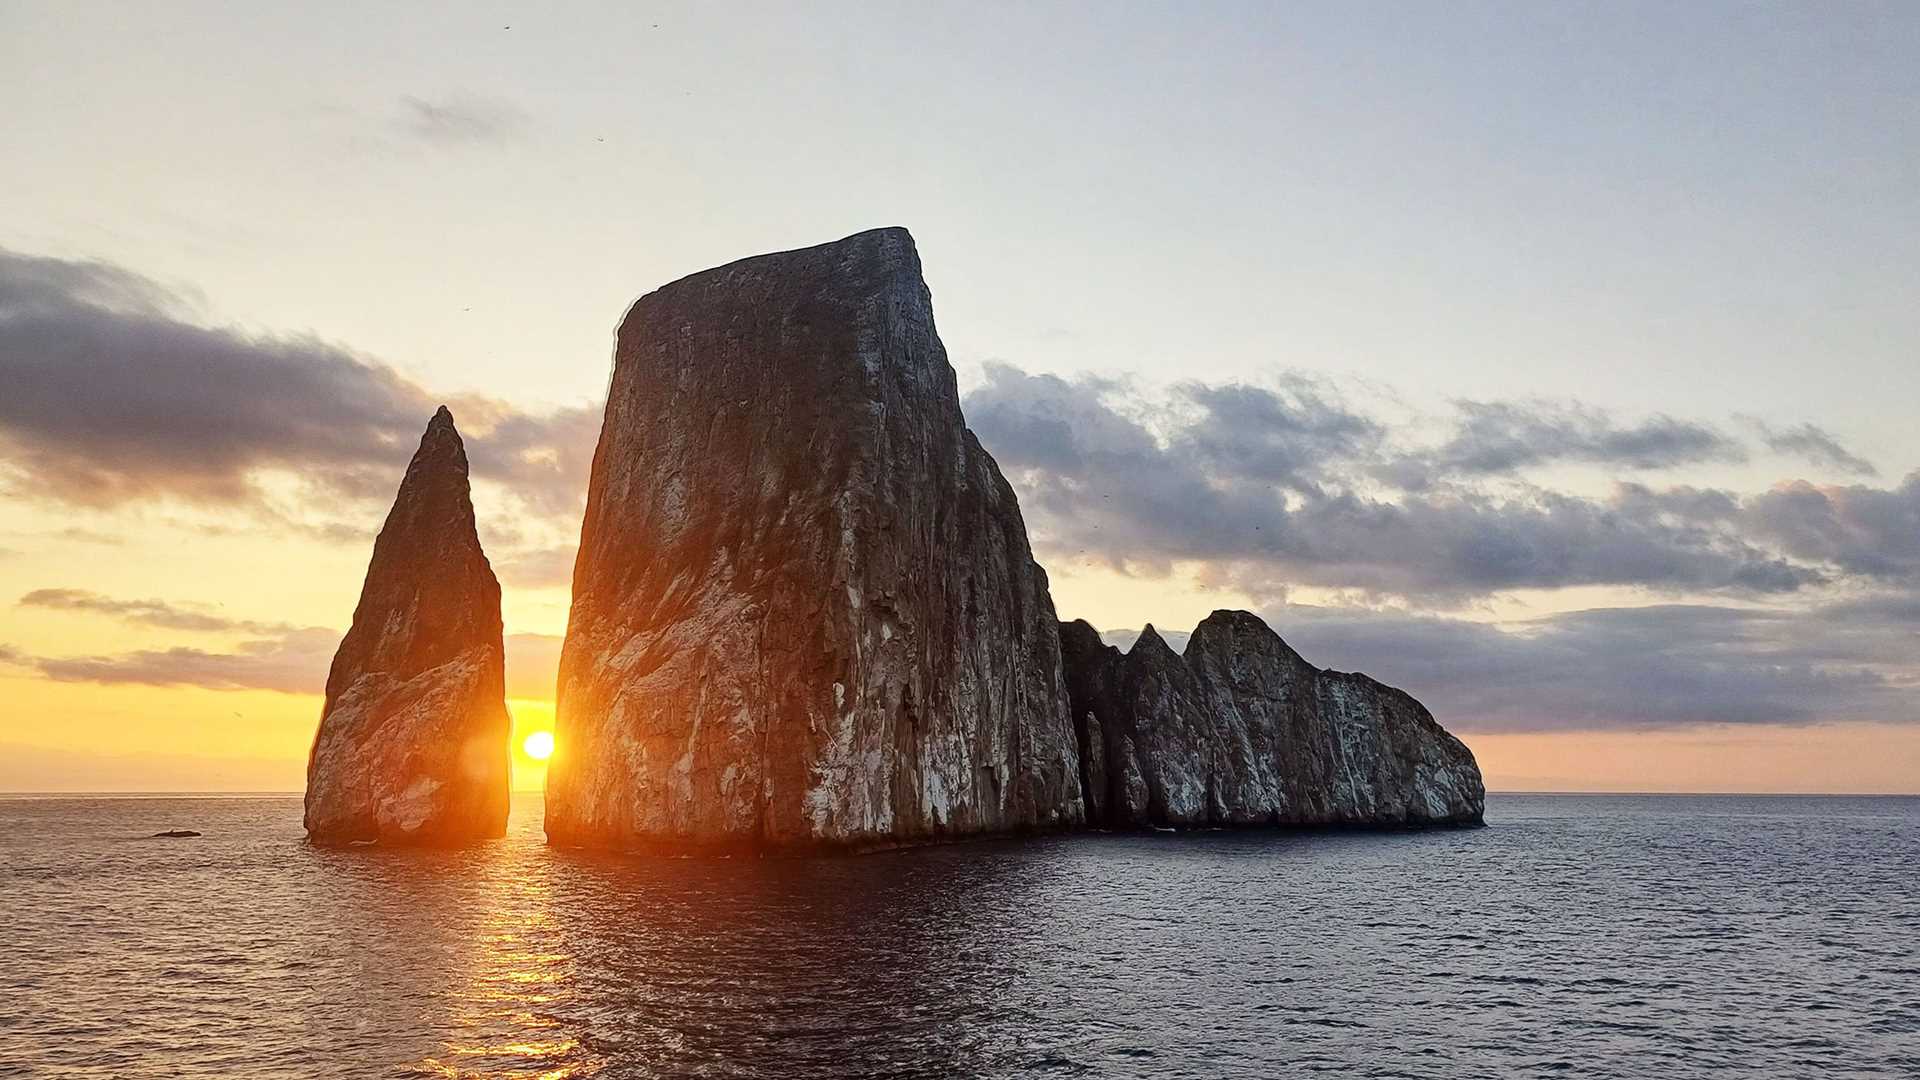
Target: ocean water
1581, 936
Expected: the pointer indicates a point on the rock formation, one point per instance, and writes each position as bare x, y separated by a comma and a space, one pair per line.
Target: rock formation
412, 746
1242, 731
805, 613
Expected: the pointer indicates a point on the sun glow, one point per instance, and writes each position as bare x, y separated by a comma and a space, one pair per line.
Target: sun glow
538, 745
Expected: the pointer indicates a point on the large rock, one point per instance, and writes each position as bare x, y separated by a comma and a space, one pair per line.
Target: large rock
412, 745
1241, 731
805, 613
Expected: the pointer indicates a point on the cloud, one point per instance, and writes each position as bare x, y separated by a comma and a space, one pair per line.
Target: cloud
1854, 530
1634, 668
460, 119
1816, 446
1279, 487
543, 458
1493, 438
113, 398
291, 660
1283, 435
34, 285
294, 662
1664, 666
1873, 532
110, 403
146, 612
79, 535
538, 568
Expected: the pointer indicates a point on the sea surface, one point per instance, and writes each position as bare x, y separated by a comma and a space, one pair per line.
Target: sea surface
1579, 936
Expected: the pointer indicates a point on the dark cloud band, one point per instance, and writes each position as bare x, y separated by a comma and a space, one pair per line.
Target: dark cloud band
113, 396
1271, 487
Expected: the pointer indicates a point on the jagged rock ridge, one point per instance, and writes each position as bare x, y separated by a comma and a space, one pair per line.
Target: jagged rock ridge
412, 746
1241, 731
805, 612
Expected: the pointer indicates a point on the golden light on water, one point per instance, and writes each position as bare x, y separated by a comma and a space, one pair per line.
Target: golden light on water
538, 745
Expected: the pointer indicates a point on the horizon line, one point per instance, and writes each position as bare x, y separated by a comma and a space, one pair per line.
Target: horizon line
202, 793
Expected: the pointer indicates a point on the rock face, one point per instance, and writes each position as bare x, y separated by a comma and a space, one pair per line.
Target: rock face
412, 745
1242, 731
805, 613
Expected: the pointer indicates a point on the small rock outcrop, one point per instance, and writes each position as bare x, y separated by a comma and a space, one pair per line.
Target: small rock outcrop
805, 613
412, 746
1241, 731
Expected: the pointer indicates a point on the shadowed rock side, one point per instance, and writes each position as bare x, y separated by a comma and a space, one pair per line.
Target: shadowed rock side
805, 613
412, 746
1242, 731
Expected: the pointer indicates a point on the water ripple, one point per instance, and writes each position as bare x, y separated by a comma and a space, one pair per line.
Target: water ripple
1604, 937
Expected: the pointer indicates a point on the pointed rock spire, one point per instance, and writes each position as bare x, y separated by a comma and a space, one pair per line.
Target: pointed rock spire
412, 746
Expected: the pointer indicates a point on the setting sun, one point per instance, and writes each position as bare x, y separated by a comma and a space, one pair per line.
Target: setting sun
539, 745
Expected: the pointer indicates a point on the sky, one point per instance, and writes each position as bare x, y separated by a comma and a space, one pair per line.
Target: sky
1554, 362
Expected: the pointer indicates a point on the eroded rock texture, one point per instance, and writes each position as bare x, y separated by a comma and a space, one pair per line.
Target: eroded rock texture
805, 612
412, 746
1241, 731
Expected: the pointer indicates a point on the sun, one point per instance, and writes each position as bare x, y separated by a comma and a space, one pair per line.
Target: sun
539, 745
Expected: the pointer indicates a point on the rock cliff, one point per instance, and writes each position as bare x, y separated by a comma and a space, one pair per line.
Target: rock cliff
805, 613
412, 746
1241, 731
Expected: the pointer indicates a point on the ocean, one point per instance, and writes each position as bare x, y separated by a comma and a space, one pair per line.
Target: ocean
1583, 936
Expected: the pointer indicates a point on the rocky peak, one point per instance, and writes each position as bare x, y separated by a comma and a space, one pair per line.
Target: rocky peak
1240, 730
1083, 636
805, 611
1151, 645
412, 744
